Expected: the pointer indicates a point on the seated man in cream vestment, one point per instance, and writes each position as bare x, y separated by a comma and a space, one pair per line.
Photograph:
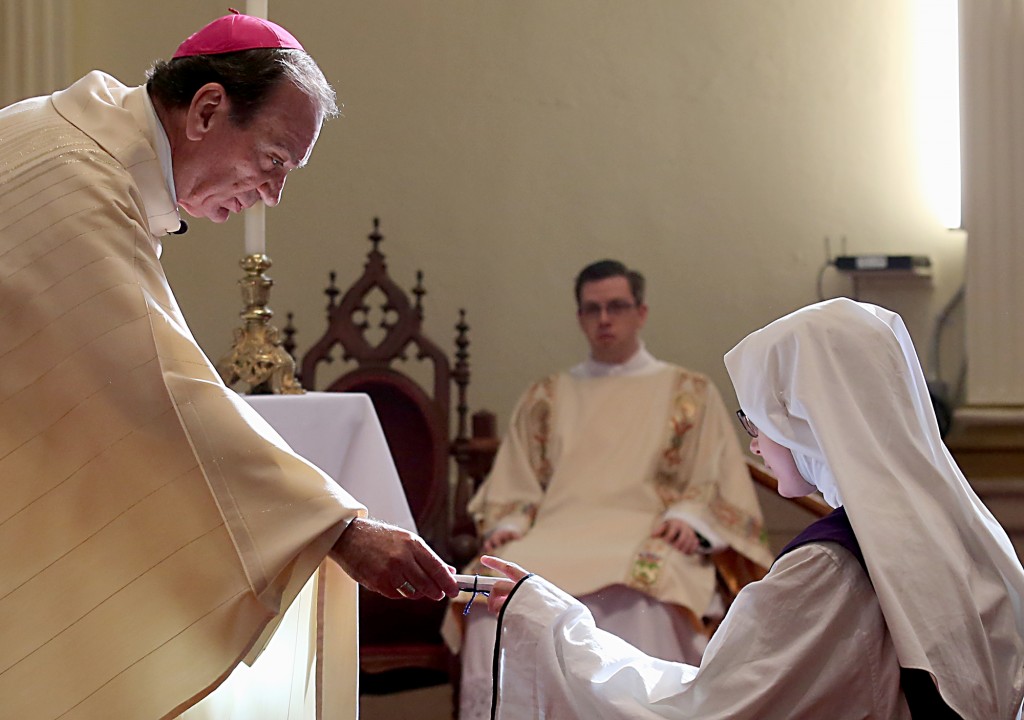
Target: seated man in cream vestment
617, 480
152, 526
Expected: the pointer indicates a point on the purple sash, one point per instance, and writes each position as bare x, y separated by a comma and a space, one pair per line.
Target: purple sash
834, 527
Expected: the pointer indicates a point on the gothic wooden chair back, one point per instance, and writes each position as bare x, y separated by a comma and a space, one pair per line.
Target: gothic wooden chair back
377, 330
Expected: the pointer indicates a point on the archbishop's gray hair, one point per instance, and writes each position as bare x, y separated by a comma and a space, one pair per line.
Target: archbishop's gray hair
248, 77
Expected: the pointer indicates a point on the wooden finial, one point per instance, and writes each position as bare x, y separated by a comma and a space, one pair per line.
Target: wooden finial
460, 373
375, 237
332, 292
419, 291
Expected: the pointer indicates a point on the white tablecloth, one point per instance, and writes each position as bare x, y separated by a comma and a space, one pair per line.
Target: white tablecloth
340, 434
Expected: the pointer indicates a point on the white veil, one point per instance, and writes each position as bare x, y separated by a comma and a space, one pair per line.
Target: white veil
839, 383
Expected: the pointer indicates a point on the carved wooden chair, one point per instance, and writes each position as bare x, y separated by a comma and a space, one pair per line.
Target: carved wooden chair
378, 331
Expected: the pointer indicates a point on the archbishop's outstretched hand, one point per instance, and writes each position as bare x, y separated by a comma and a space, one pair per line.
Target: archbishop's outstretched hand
393, 562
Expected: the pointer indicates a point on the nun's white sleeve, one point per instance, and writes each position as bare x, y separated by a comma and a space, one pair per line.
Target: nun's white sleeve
807, 641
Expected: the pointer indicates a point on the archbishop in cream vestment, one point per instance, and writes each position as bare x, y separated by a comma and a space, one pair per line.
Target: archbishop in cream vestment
151, 524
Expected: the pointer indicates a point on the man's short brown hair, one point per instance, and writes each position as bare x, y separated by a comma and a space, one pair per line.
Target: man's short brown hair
603, 269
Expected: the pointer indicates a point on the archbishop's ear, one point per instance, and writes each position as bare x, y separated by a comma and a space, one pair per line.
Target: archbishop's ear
210, 105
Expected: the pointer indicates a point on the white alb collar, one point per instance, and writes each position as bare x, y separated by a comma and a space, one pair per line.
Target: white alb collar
640, 363
161, 144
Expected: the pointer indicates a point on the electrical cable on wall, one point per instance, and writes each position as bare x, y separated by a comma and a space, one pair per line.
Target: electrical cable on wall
942, 398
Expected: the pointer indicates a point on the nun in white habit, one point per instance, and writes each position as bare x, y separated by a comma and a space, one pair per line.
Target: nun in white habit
904, 603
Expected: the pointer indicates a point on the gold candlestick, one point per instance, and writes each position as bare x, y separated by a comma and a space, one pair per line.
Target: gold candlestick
257, 364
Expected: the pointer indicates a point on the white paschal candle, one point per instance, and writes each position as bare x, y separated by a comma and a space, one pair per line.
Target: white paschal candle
256, 230
255, 217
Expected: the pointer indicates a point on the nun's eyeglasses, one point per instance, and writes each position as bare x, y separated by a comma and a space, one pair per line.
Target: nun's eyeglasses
750, 427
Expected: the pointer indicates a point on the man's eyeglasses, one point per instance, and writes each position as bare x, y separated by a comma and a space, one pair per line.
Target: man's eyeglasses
750, 427
614, 308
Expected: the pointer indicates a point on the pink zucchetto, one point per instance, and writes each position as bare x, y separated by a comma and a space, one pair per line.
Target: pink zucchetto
236, 32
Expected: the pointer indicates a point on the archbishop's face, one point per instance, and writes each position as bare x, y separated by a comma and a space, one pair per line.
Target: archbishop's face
228, 168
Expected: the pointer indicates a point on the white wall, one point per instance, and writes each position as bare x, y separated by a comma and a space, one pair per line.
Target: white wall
506, 143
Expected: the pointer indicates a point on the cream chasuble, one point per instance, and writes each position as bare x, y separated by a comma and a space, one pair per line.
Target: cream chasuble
152, 525
589, 467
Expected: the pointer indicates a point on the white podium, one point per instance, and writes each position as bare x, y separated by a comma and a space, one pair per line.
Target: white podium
341, 435
309, 670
